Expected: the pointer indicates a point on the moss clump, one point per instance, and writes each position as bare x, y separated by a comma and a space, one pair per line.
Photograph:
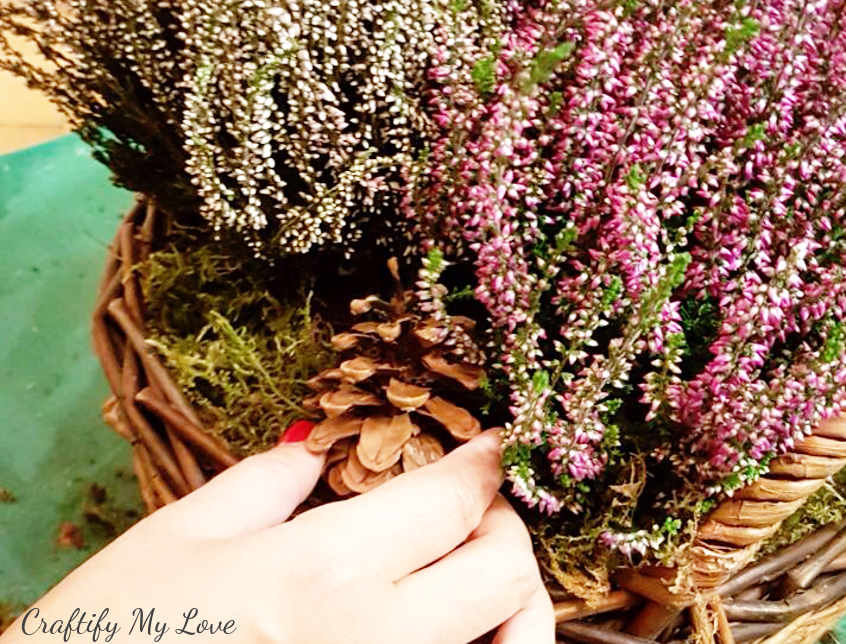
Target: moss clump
239, 338
826, 505
580, 556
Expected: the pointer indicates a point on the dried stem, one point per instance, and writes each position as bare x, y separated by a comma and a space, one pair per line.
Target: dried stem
804, 574
776, 564
158, 449
577, 608
163, 493
155, 370
148, 227
836, 565
650, 587
107, 294
186, 429
115, 419
702, 621
754, 592
587, 634
130, 284
825, 591
105, 351
143, 476
185, 457
723, 628
652, 619
748, 631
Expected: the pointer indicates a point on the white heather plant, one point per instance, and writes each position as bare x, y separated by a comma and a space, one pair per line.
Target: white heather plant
287, 122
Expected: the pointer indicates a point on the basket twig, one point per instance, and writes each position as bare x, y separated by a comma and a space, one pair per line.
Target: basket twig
165, 431
589, 634
577, 608
777, 564
186, 428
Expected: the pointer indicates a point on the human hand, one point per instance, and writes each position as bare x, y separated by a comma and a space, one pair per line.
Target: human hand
432, 556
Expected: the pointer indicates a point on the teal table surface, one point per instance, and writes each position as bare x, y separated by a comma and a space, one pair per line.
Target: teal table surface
63, 467
58, 212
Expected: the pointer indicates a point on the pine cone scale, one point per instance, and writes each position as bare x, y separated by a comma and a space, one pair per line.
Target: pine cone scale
328, 432
470, 376
419, 451
360, 479
335, 403
457, 420
405, 396
382, 439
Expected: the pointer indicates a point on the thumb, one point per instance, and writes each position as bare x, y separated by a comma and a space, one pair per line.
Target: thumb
259, 492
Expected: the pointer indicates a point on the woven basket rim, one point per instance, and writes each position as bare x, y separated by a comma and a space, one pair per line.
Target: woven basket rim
173, 455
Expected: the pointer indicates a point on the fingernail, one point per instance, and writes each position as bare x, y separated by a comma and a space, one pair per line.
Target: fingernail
297, 432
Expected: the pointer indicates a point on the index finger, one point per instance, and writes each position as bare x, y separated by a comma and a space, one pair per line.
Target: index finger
416, 518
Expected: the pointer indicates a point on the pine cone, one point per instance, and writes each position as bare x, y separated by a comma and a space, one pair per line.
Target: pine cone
396, 400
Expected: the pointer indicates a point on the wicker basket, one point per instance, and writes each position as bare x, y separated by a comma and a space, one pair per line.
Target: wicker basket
792, 597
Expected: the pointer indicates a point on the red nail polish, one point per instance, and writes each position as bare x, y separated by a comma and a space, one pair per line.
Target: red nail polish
297, 432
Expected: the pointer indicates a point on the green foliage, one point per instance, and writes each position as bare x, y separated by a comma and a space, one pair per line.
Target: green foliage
755, 132
435, 260
793, 150
565, 238
635, 178
611, 440
700, 323
705, 506
629, 7
484, 74
465, 293
552, 251
739, 35
612, 405
732, 482
241, 355
835, 343
518, 456
748, 473
556, 98
834, 251
547, 60
540, 381
671, 526
612, 292
678, 266
653, 301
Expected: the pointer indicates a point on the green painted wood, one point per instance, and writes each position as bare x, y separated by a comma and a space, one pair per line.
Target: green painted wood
58, 212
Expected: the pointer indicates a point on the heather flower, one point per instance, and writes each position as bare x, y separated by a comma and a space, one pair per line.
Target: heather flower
652, 198
286, 124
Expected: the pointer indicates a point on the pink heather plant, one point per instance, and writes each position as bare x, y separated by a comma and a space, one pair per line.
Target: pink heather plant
652, 197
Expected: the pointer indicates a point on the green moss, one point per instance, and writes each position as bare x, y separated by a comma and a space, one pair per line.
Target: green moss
826, 505
239, 338
572, 554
